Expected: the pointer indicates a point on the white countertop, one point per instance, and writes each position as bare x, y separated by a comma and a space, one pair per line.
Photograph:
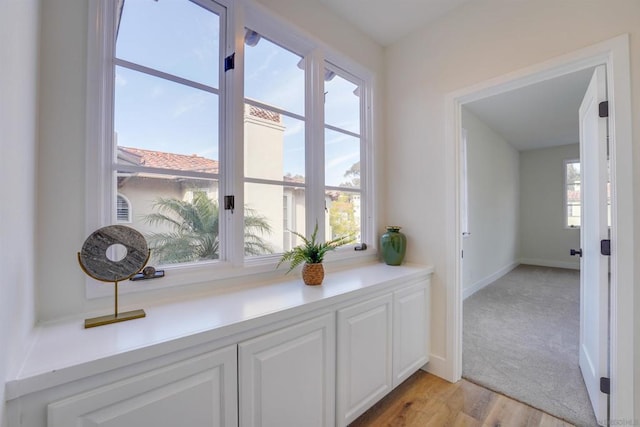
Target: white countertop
65, 351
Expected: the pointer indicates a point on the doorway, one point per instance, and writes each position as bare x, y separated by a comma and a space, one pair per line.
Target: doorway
522, 315
614, 54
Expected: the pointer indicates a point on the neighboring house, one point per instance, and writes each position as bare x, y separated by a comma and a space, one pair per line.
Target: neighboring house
264, 138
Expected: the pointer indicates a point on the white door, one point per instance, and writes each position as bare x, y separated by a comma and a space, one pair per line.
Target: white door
594, 284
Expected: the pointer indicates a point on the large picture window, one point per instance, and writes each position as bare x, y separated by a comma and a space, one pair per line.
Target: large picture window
223, 150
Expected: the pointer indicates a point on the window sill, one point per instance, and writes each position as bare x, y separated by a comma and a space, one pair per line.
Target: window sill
221, 275
62, 352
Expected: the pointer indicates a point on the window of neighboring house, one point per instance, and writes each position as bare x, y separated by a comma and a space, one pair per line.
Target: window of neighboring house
572, 193
123, 209
292, 149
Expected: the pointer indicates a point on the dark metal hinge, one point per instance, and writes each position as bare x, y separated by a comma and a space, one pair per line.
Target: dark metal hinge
229, 203
230, 62
605, 247
605, 385
603, 109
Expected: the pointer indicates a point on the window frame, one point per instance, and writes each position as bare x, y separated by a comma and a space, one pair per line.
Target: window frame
565, 198
101, 191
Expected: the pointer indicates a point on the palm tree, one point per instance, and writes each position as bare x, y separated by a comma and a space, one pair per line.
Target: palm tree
194, 230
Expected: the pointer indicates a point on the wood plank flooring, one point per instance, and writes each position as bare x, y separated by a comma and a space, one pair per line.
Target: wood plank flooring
425, 400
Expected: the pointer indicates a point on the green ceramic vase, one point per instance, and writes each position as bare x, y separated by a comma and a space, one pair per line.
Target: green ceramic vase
393, 245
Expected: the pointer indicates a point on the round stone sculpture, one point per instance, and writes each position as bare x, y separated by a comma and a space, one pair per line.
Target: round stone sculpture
95, 261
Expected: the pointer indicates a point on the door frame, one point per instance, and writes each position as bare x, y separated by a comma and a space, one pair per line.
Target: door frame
614, 54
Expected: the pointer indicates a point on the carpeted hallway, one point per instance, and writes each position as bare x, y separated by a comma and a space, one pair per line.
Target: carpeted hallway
521, 339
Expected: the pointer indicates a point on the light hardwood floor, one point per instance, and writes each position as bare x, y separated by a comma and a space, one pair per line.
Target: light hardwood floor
426, 400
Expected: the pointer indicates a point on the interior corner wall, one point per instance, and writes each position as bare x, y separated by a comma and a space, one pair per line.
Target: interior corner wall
19, 22
493, 205
544, 238
479, 41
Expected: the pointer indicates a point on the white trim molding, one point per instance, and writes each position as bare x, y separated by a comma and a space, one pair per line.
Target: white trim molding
613, 53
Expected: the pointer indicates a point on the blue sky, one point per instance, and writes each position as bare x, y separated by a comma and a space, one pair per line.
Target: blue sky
181, 38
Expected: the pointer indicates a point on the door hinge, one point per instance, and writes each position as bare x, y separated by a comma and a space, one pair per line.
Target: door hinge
605, 385
229, 203
230, 62
603, 109
605, 247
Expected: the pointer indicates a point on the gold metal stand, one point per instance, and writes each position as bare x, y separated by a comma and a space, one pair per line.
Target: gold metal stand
115, 317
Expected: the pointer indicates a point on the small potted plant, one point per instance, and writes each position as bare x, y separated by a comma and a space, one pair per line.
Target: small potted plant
311, 253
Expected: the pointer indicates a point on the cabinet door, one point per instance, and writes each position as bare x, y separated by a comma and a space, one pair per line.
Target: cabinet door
197, 392
364, 357
410, 331
287, 377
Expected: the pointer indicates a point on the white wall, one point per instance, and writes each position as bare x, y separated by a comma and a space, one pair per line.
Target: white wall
544, 238
483, 39
61, 230
18, 136
493, 204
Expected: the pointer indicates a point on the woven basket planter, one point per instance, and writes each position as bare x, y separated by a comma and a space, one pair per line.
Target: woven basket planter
313, 274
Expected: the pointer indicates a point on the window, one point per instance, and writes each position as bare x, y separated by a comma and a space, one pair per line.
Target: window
342, 111
572, 193
123, 209
183, 129
166, 122
274, 144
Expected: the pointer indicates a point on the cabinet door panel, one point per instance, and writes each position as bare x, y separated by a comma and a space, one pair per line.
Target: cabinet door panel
287, 377
410, 331
199, 392
364, 356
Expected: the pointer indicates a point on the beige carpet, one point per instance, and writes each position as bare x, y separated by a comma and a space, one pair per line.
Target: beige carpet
521, 339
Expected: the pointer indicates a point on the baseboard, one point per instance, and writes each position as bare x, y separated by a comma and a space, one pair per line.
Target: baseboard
467, 292
439, 367
551, 263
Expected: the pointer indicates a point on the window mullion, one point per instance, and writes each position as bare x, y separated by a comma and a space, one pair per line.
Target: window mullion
232, 142
314, 64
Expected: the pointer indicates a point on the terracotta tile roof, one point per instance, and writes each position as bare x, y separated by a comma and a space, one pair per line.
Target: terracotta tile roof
162, 160
297, 179
262, 113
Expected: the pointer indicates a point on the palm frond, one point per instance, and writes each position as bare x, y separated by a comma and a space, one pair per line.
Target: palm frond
194, 230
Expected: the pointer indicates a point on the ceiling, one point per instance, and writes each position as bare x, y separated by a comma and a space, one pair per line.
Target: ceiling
541, 115
387, 22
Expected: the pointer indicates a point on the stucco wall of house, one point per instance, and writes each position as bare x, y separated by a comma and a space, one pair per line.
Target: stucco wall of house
493, 176
545, 240
482, 40
18, 139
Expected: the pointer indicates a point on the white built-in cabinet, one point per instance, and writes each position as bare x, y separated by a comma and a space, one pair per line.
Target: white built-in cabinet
319, 363
410, 344
364, 356
197, 392
380, 345
287, 376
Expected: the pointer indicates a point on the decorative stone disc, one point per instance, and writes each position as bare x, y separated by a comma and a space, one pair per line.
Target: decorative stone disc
95, 262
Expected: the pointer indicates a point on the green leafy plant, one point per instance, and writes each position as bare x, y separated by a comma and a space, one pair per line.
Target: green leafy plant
311, 251
193, 234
